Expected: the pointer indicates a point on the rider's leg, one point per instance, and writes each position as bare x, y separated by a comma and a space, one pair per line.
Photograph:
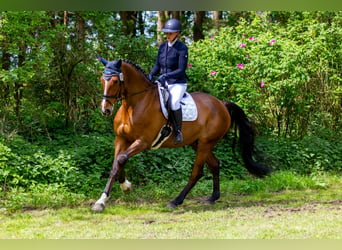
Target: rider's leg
177, 91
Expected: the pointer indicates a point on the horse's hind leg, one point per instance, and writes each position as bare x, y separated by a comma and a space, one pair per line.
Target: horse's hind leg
213, 164
196, 174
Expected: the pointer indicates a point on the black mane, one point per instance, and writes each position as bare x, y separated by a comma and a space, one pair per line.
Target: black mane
137, 67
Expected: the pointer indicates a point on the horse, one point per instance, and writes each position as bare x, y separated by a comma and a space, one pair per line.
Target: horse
139, 119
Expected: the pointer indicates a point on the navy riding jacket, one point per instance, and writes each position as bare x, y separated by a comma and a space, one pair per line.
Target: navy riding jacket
172, 62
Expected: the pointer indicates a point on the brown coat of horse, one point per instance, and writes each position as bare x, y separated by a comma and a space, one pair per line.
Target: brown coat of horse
139, 120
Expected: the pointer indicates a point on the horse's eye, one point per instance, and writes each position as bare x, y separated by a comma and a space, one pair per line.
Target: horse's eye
116, 81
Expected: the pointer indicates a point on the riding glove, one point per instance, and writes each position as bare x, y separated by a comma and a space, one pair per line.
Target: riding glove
162, 80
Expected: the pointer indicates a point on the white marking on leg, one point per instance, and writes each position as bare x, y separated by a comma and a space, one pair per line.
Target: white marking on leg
126, 186
102, 200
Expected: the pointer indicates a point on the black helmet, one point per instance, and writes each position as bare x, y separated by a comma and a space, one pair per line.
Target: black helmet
172, 25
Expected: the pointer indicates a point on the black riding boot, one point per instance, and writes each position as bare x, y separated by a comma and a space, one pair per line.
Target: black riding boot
177, 124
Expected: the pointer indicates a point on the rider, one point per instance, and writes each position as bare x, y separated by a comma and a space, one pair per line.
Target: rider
171, 64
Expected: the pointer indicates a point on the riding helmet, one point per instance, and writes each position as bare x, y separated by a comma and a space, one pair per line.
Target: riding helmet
172, 25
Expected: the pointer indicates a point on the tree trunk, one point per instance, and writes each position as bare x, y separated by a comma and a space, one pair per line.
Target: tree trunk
160, 25
217, 19
198, 25
80, 34
129, 19
176, 14
18, 91
141, 23
4, 87
5, 65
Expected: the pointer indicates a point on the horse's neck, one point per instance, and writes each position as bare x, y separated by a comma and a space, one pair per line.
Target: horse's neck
135, 84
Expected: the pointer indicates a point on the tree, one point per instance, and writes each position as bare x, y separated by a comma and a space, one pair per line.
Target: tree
22, 53
198, 25
49, 73
129, 21
162, 16
217, 17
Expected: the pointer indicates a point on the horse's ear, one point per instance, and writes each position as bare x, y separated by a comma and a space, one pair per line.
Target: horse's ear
118, 64
104, 61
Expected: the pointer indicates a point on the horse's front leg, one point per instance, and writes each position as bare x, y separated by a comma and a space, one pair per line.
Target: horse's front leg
100, 203
125, 185
122, 154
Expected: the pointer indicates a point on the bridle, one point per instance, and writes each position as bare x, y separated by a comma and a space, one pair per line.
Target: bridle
120, 96
107, 75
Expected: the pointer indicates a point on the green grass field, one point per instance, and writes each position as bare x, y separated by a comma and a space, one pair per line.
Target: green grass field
305, 208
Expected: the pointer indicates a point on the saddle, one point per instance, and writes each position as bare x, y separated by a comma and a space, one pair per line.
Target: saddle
188, 105
189, 113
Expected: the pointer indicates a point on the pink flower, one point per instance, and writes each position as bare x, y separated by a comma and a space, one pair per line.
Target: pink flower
213, 72
262, 84
212, 38
272, 42
240, 66
252, 38
189, 65
242, 45
244, 34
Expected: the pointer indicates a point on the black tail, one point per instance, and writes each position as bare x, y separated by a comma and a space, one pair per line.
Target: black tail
246, 140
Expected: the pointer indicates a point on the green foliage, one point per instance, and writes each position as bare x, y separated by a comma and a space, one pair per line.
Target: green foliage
280, 181
75, 162
286, 76
311, 155
82, 163
39, 196
49, 72
283, 68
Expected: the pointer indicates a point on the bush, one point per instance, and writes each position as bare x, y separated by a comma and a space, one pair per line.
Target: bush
280, 181
309, 156
70, 169
286, 76
82, 163
76, 162
39, 196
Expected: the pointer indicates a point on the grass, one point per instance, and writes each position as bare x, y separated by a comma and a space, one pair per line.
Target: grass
282, 206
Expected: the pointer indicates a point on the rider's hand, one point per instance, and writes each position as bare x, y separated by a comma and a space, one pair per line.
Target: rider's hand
162, 80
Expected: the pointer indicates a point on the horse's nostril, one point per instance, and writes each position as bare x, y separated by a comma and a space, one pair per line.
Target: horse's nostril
106, 112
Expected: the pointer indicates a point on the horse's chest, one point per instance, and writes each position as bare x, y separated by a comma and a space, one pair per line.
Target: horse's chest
123, 129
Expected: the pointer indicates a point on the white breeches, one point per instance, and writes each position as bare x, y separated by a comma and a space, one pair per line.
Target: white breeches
176, 93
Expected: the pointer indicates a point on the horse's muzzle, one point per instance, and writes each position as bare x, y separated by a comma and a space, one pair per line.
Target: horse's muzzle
106, 112
106, 107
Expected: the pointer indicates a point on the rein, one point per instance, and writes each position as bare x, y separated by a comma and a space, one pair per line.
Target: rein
115, 70
119, 99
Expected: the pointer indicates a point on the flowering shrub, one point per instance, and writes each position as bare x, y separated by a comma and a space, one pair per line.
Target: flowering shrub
284, 76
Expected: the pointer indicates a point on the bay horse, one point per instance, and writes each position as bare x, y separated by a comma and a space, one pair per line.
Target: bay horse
138, 121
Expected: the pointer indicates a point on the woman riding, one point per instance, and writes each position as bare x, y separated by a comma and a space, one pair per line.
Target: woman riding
171, 64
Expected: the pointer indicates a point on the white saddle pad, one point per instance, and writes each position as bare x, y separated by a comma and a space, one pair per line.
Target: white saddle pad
189, 108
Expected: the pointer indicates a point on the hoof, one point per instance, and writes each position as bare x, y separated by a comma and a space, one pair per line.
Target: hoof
126, 187
98, 207
171, 205
209, 202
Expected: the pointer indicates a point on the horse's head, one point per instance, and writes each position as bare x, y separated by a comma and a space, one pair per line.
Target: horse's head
111, 79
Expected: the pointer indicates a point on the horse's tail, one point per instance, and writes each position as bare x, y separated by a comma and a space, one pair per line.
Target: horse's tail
246, 139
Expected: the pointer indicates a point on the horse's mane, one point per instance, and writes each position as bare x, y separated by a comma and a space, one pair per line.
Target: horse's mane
137, 67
